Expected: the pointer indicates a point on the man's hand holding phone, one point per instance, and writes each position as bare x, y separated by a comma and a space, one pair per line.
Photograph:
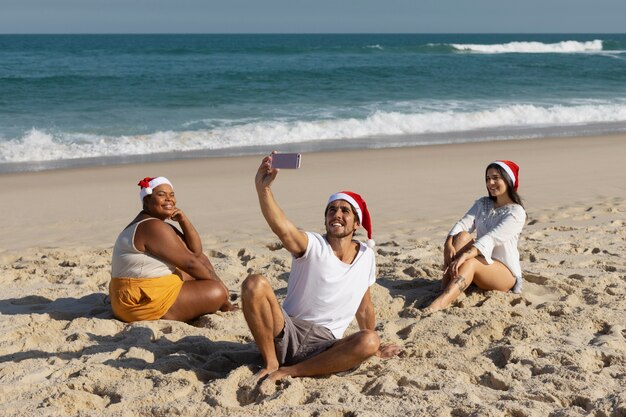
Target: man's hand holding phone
286, 160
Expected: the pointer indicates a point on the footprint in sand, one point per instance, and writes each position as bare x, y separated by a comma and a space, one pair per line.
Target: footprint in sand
243, 387
495, 381
406, 332
535, 278
244, 257
518, 301
217, 254
538, 294
610, 336
274, 246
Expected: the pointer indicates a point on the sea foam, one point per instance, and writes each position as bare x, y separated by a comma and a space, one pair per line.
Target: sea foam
533, 47
38, 145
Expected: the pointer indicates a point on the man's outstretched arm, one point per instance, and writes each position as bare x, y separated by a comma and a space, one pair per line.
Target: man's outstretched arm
294, 240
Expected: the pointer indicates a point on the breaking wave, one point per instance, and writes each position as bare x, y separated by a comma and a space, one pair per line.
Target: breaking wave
38, 145
567, 47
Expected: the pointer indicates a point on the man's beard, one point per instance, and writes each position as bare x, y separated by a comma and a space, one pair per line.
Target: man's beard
343, 234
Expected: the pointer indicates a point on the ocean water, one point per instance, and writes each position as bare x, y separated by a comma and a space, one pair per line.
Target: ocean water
102, 99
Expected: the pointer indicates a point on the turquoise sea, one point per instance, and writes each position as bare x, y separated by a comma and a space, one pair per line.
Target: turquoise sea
100, 99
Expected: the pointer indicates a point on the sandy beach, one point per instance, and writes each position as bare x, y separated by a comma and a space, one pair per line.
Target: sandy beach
557, 349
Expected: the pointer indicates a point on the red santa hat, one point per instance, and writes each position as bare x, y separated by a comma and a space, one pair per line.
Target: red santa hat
148, 184
359, 205
511, 169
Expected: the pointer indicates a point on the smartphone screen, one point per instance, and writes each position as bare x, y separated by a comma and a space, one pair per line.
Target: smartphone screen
286, 160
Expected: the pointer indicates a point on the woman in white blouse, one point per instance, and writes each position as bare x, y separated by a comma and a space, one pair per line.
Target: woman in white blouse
491, 261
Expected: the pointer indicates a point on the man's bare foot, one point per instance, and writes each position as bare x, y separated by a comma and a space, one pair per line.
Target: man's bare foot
277, 375
432, 308
443, 300
264, 372
388, 350
427, 311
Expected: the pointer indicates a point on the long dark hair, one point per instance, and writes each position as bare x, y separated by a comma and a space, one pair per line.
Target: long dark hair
509, 184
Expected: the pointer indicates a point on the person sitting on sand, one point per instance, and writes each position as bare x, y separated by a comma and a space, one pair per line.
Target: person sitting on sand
491, 261
328, 285
159, 272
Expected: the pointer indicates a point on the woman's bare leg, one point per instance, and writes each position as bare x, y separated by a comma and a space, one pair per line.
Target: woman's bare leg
461, 242
197, 298
487, 277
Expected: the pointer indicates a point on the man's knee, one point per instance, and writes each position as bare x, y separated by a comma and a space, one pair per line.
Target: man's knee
367, 343
253, 284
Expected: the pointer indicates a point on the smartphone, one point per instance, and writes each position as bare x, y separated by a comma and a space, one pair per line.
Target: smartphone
286, 160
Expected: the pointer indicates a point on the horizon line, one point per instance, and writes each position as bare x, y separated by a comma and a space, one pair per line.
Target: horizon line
309, 33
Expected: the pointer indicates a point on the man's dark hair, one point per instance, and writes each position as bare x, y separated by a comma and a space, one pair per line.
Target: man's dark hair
351, 206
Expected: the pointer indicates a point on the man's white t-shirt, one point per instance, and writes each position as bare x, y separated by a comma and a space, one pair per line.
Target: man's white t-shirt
326, 291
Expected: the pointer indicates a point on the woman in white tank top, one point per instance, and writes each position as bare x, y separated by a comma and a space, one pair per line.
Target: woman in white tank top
159, 271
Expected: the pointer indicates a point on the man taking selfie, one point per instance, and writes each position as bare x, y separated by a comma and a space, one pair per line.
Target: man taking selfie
328, 286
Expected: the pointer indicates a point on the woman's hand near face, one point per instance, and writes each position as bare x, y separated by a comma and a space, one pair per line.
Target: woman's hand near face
179, 216
190, 235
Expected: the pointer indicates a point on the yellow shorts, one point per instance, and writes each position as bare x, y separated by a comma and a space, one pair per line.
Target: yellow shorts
137, 299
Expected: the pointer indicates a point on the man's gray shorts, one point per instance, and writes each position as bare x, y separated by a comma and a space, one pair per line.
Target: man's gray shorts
301, 340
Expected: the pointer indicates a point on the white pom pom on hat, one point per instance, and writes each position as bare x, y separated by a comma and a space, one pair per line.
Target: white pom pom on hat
362, 212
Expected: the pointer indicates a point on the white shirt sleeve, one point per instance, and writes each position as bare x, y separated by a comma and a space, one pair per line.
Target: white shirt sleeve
508, 227
466, 224
309, 244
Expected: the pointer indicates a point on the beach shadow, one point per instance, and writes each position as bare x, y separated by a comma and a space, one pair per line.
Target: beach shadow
145, 348
281, 293
417, 292
206, 358
284, 276
69, 308
142, 350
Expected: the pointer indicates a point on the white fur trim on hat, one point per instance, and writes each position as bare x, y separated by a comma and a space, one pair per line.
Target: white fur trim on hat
349, 199
508, 171
155, 182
